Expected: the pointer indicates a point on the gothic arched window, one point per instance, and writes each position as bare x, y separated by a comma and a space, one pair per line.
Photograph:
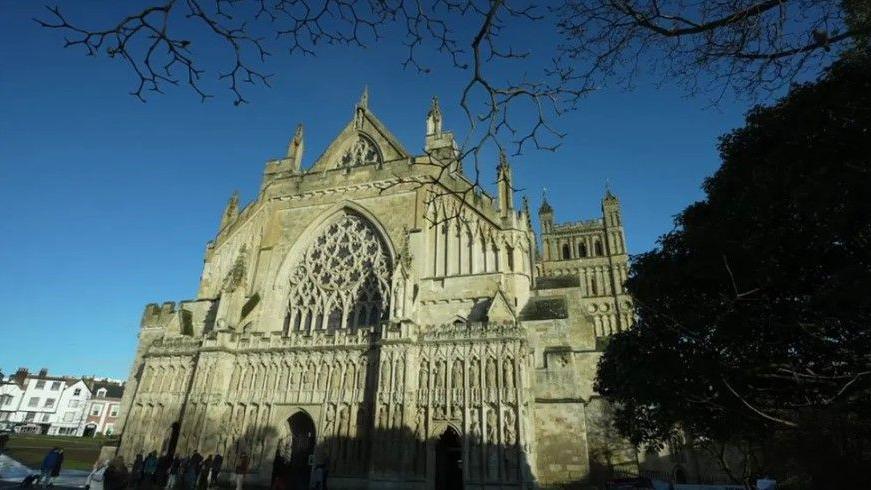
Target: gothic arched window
342, 279
582, 250
362, 151
598, 246
567, 253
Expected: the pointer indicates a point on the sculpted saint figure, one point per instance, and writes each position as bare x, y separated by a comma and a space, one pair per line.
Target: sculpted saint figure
457, 381
510, 429
400, 372
335, 380
508, 375
440, 374
492, 429
343, 420
424, 376
491, 373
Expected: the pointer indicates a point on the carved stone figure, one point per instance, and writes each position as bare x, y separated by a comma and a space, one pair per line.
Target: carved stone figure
423, 385
508, 374
510, 429
492, 427
329, 419
457, 381
400, 374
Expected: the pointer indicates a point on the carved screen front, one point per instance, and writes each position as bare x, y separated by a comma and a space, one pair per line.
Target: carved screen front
342, 279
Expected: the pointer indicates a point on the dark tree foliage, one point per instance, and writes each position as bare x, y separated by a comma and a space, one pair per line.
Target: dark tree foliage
754, 313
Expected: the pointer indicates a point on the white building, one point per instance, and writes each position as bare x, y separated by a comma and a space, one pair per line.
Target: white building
11, 394
69, 418
44, 404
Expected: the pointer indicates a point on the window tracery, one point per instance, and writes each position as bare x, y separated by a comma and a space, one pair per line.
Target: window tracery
342, 279
363, 151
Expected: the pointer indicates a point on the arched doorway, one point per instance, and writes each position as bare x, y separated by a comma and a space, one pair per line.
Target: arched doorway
449, 461
292, 456
90, 430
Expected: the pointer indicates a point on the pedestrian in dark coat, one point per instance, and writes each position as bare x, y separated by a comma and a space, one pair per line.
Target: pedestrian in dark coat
160, 476
58, 463
149, 467
193, 470
203, 478
217, 461
174, 470
48, 465
116, 476
136, 471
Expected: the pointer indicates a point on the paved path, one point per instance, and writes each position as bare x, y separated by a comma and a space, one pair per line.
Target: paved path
12, 473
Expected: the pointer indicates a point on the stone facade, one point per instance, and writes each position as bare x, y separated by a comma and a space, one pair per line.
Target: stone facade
368, 314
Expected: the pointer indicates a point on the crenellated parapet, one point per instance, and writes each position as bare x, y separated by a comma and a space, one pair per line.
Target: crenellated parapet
158, 316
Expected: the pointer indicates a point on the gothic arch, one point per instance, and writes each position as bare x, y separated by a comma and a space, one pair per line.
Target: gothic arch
366, 229
308, 234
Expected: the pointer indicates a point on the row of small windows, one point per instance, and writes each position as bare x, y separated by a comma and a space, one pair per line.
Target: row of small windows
582, 250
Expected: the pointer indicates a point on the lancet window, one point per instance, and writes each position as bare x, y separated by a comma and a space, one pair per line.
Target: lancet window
342, 279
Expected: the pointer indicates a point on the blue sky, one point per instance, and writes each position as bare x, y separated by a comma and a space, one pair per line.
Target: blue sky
108, 202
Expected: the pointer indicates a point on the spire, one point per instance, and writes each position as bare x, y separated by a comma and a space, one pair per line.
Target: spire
503, 180
545, 206
231, 212
364, 99
295, 149
608, 195
434, 118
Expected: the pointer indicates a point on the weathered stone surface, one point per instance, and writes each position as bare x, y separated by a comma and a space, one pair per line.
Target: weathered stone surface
368, 298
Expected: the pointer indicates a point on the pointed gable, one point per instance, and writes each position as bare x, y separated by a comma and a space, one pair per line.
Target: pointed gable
500, 310
364, 141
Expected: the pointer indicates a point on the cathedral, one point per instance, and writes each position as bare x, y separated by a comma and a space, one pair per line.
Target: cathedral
375, 314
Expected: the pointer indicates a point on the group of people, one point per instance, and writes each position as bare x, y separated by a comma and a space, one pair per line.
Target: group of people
153, 472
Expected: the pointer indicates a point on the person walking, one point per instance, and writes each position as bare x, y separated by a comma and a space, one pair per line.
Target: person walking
192, 473
48, 464
149, 467
116, 476
215, 470
203, 479
173, 473
136, 471
241, 469
161, 474
58, 462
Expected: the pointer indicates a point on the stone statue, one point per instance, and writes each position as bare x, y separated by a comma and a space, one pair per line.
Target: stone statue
322, 378
343, 420
424, 376
309, 377
385, 375
335, 379
491, 374
434, 118
382, 417
508, 376
474, 376
457, 381
397, 416
492, 428
400, 373
329, 419
440, 375
510, 427
349, 376
475, 425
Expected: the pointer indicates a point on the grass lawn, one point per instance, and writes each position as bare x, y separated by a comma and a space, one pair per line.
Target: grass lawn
80, 453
